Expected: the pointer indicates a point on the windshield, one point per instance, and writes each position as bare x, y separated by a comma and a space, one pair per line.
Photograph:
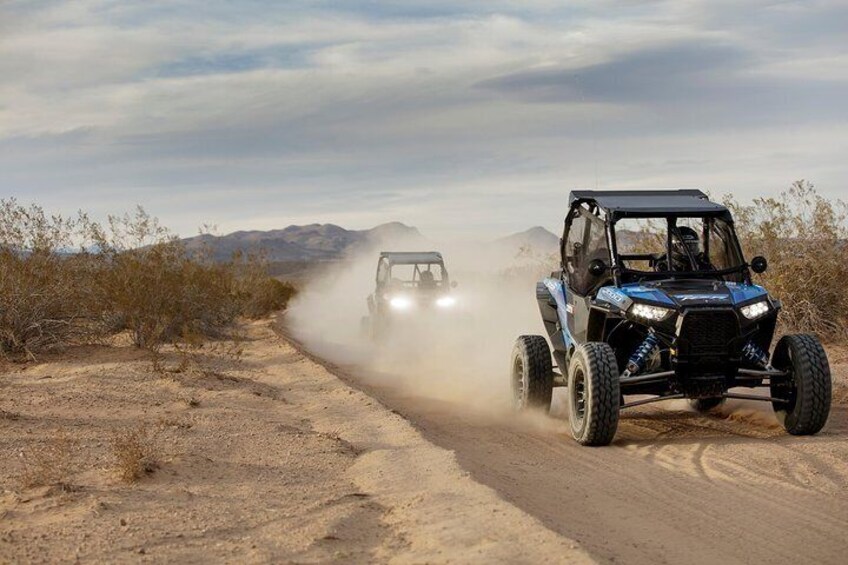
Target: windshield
699, 247
422, 276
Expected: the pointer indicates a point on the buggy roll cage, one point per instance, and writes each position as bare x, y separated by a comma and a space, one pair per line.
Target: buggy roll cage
614, 205
416, 258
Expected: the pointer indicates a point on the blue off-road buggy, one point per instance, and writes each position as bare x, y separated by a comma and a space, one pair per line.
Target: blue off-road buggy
654, 298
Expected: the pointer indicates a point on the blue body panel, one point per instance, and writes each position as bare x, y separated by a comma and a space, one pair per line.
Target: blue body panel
635, 291
745, 292
558, 291
726, 293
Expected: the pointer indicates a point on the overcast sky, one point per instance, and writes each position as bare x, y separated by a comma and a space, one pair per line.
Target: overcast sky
462, 117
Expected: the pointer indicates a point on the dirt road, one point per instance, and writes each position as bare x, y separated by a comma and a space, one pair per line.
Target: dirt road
675, 487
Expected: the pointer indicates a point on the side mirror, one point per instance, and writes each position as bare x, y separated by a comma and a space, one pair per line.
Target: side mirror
597, 268
454, 284
759, 264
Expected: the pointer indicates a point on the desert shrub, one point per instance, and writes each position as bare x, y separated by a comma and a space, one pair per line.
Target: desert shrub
63, 280
44, 296
804, 236
136, 453
150, 285
259, 294
49, 463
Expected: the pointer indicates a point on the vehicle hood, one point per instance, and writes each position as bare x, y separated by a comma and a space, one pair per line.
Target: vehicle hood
685, 293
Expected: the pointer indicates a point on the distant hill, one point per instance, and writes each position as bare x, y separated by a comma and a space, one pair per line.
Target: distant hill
314, 242
537, 239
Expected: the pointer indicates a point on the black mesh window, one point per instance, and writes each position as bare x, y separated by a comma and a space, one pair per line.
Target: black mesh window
586, 242
723, 253
574, 244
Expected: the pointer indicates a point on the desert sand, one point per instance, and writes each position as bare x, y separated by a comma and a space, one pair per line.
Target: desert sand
270, 458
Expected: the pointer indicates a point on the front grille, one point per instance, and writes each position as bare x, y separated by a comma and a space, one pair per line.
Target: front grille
707, 332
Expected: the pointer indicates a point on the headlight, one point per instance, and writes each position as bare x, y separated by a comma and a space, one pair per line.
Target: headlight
652, 313
446, 302
755, 310
400, 303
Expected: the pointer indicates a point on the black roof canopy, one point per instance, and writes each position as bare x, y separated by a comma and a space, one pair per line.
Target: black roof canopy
651, 203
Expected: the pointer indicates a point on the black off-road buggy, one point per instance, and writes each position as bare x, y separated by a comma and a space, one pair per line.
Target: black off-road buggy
409, 285
654, 299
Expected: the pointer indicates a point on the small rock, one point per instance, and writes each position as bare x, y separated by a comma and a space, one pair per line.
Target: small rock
123, 522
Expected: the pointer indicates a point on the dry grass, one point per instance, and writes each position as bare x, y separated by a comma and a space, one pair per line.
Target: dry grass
49, 463
136, 453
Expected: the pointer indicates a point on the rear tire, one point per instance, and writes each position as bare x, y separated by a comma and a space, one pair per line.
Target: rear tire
532, 373
705, 404
807, 390
593, 394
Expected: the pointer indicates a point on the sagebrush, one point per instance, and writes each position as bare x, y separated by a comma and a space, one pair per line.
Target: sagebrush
69, 280
804, 236
136, 453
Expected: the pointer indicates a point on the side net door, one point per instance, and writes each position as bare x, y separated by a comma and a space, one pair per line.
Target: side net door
585, 242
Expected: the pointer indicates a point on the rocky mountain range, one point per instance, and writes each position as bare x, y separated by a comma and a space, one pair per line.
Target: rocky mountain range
329, 242
314, 242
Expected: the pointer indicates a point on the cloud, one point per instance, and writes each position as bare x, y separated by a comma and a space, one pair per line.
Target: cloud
693, 83
440, 114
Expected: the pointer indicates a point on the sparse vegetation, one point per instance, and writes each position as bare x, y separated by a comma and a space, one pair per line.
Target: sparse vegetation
66, 280
804, 236
136, 453
42, 294
49, 463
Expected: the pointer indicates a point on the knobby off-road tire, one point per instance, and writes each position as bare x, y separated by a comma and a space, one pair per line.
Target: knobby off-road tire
807, 389
593, 394
705, 404
532, 373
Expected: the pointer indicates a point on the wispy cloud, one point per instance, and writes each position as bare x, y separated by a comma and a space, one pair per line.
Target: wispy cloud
450, 115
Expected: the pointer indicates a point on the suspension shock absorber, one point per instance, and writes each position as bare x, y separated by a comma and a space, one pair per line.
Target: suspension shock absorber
754, 354
642, 353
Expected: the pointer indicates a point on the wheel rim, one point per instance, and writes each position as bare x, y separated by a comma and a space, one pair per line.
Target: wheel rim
518, 382
578, 397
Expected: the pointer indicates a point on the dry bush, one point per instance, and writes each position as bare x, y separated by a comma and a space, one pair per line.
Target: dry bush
65, 280
804, 236
150, 285
136, 453
49, 463
259, 294
44, 296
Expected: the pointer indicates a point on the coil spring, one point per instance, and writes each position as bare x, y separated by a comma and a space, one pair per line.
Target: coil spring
639, 357
753, 353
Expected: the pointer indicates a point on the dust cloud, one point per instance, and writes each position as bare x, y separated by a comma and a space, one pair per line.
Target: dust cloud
461, 355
